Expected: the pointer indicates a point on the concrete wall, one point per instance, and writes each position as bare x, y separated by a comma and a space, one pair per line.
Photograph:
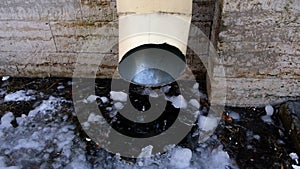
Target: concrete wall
258, 42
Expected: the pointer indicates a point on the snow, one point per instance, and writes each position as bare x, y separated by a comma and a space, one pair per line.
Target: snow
4, 78
195, 103
119, 105
196, 86
146, 152
118, 96
104, 99
20, 95
47, 138
165, 89
207, 123
234, 115
269, 110
295, 157
181, 158
266, 119
91, 99
296, 167
6, 120
178, 101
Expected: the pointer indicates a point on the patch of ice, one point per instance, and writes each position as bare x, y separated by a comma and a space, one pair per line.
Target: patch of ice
91, 99
266, 119
195, 103
269, 110
257, 137
234, 115
60, 87
4, 78
118, 96
207, 123
153, 94
96, 118
146, 152
177, 101
20, 95
181, 157
118, 105
104, 99
196, 86
165, 89
294, 156
45, 107
6, 120
296, 166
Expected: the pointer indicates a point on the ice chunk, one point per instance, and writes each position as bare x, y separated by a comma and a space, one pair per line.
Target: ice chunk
104, 99
177, 101
118, 96
207, 123
6, 120
294, 156
196, 86
20, 95
266, 119
195, 103
118, 105
296, 166
4, 78
166, 89
91, 99
234, 115
181, 157
146, 152
269, 110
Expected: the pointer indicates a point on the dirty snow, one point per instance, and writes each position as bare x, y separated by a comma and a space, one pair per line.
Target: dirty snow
118, 96
21, 95
47, 138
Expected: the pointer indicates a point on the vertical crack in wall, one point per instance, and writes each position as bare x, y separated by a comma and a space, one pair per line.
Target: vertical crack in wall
54, 41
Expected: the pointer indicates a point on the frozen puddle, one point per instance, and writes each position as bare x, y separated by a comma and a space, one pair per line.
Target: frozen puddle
48, 137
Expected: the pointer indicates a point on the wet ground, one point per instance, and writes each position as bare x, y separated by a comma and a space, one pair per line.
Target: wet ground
251, 140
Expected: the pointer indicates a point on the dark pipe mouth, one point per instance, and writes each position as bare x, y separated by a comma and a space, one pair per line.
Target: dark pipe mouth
152, 65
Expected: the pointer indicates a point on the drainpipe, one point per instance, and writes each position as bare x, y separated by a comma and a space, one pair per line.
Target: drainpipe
153, 37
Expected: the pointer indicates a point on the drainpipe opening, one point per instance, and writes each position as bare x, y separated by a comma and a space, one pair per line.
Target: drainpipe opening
152, 65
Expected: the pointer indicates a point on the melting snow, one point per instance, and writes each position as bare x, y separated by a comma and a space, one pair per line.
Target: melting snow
181, 157
269, 110
47, 139
20, 95
118, 96
195, 103
234, 115
4, 78
178, 101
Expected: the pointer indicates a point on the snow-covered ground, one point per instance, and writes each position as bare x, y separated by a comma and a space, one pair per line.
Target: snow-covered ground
47, 137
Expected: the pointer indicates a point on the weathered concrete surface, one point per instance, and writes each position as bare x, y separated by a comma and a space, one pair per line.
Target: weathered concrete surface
259, 44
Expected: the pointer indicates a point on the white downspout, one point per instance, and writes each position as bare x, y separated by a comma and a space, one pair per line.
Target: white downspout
143, 24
